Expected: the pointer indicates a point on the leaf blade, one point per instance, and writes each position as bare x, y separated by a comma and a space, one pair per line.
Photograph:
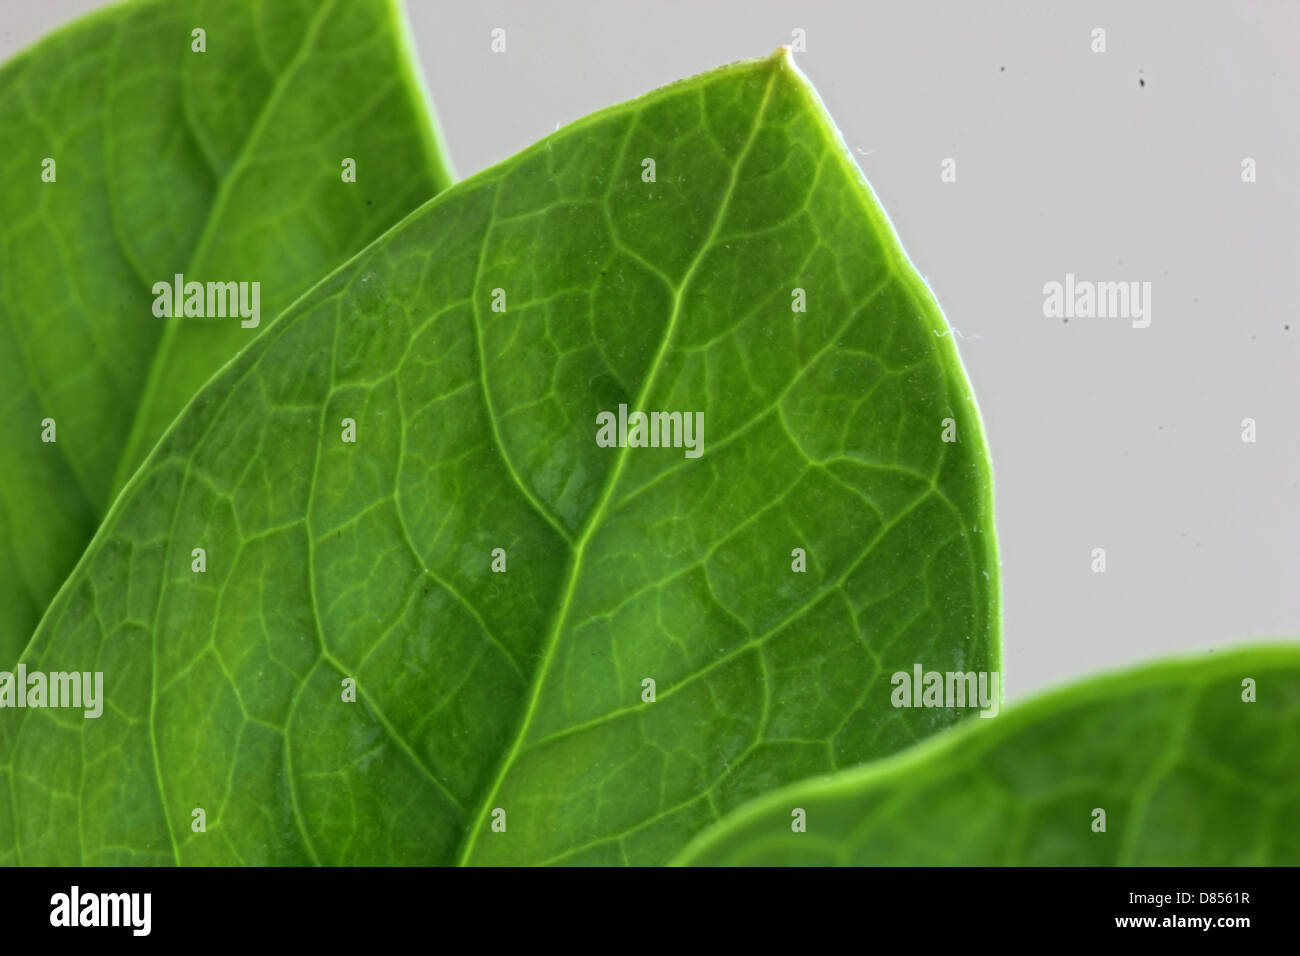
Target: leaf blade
522, 691
1181, 765
171, 161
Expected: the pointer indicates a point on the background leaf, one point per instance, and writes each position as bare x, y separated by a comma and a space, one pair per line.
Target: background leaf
223, 165
1187, 773
475, 430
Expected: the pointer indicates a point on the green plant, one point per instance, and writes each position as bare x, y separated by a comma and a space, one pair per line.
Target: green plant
400, 576
475, 430
129, 158
1179, 763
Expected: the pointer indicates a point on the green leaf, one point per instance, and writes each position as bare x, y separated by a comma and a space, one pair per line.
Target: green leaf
1186, 770
223, 165
523, 691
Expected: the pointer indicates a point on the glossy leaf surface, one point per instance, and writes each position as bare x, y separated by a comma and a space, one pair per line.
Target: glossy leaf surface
505, 715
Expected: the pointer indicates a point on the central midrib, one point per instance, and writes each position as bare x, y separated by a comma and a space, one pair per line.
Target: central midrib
131, 458
597, 514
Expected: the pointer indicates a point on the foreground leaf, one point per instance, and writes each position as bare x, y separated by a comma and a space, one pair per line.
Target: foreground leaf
224, 165
524, 691
1187, 772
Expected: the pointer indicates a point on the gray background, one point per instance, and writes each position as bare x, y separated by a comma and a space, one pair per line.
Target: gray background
1103, 435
